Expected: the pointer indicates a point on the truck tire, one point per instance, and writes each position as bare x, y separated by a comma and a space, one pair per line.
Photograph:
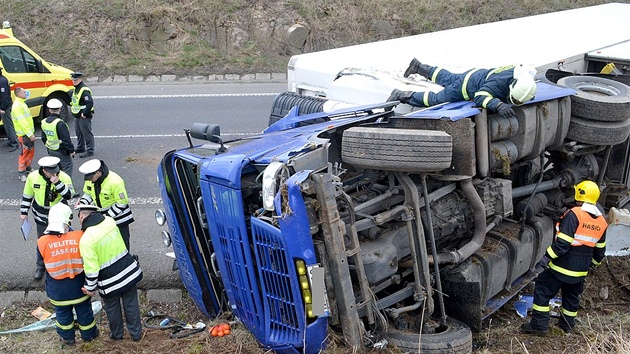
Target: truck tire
598, 133
406, 150
285, 101
455, 339
598, 98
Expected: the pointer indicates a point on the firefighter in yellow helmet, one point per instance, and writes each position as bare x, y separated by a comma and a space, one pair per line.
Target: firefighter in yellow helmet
579, 246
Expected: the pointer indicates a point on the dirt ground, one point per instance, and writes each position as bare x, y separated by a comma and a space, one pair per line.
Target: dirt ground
603, 327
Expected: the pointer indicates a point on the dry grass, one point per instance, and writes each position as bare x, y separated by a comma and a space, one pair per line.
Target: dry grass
150, 37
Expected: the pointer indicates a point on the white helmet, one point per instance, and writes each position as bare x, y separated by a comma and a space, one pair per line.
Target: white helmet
58, 217
522, 89
54, 103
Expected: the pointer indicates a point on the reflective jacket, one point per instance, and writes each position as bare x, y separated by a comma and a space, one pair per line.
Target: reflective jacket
492, 87
64, 267
40, 194
22, 119
82, 101
110, 195
107, 263
579, 242
56, 135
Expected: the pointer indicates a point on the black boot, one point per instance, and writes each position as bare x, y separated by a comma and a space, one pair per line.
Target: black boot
402, 96
528, 328
39, 273
413, 67
423, 70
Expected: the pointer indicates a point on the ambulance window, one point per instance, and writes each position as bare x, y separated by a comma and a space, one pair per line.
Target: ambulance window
13, 60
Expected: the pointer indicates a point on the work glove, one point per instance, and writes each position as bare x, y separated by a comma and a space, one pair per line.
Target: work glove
505, 110
542, 265
592, 268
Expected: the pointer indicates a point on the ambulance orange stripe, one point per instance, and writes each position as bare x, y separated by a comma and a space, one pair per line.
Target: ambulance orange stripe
40, 84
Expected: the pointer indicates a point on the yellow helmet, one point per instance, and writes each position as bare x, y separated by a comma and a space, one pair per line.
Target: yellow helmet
522, 89
587, 191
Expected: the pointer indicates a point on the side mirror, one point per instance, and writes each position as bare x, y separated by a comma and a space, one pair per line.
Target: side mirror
209, 132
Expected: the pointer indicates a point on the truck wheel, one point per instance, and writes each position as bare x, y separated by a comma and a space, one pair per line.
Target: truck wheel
285, 101
598, 98
598, 133
389, 149
455, 338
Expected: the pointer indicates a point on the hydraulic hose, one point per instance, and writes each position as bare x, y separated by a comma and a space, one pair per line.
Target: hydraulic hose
479, 234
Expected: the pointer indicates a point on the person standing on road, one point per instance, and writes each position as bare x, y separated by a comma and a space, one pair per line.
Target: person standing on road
106, 189
25, 131
43, 189
5, 112
579, 246
59, 247
56, 136
111, 269
82, 108
495, 89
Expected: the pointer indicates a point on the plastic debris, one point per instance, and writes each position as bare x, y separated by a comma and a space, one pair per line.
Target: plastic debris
381, 344
49, 322
525, 303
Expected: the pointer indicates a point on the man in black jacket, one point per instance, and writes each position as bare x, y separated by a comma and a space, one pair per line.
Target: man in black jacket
82, 108
5, 112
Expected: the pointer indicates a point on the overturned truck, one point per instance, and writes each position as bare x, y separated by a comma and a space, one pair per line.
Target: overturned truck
411, 227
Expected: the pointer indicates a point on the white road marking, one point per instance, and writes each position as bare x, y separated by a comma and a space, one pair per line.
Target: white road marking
192, 95
132, 201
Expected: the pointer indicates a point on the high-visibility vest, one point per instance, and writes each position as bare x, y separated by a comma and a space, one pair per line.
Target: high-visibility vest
75, 108
589, 230
50, 129
62, 257
35, 187
22, 119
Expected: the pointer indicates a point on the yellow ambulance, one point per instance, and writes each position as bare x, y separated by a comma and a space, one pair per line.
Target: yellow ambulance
24, 68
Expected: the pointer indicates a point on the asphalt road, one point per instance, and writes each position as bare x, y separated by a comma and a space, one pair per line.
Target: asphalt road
134, 125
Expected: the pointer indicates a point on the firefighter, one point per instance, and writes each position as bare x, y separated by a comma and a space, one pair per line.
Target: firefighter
56, 136
496, 90
106, 189
579, 246
59, 248
44, 188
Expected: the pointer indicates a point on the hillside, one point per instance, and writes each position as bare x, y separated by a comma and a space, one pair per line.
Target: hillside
201, 37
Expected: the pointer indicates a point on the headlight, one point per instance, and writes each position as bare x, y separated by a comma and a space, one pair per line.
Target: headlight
166, 238
160, 217
270, 177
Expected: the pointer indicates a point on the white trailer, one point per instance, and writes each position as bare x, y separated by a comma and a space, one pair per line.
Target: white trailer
579, 40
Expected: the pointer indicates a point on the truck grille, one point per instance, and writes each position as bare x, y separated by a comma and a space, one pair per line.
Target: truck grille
228, 230
276, 272
256, 272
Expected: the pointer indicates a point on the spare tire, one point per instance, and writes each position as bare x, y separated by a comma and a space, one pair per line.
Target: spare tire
598, 133
406, 150
598, 98
455, 338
